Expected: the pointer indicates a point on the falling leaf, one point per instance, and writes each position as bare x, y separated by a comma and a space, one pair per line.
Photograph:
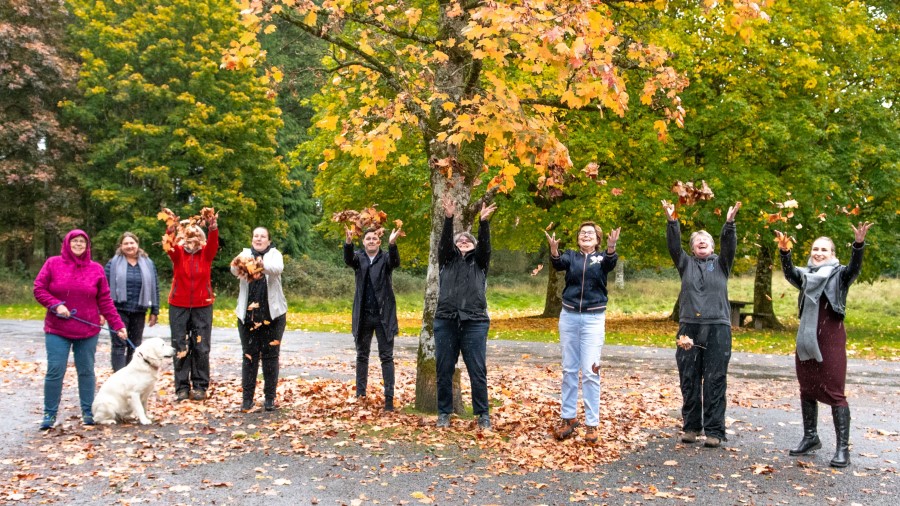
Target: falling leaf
685, 342
181, 354
537, 269
274, 343
548, 227
252, 306
248, 356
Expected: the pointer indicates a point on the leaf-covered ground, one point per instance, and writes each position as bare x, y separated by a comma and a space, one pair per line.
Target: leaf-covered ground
317, 413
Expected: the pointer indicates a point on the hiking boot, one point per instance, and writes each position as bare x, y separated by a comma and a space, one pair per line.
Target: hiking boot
269, 405
443, 420
484, 421
689, 436
591, 435
182, 395
388, 403
198, 395
48, 421
712, 442
565, 429
246, 405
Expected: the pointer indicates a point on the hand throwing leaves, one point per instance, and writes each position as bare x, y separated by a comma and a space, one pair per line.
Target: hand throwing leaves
785, 242
248, 268
359, 221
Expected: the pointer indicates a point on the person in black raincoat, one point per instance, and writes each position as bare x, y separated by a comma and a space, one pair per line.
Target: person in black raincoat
374, 307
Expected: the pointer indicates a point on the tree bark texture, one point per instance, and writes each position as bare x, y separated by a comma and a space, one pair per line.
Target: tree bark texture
553, 301
762, 291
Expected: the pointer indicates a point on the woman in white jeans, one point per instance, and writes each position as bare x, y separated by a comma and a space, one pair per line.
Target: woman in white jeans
582, 324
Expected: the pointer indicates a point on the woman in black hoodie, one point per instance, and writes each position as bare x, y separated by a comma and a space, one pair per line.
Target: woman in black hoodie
461, 320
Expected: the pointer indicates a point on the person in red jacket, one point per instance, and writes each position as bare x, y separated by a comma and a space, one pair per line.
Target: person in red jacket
191, 308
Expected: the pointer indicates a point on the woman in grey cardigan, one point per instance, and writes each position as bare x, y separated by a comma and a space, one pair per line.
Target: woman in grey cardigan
821, 356
262, 316
134, 290
705, 317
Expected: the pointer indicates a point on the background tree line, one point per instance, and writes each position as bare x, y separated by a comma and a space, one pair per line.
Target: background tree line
111, 110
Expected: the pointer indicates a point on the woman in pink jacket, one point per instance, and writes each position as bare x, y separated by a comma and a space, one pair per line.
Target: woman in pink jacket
74, 290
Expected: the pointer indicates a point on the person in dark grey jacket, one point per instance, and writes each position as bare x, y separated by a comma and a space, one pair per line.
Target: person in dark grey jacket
705, 317
374, 307
461, 321
821, 356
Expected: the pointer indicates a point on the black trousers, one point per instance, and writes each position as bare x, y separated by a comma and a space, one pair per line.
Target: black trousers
191, 332
261, 344
703, 373
370, 323
122, 353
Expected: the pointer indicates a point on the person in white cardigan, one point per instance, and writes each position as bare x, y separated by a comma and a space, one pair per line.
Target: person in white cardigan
262, 315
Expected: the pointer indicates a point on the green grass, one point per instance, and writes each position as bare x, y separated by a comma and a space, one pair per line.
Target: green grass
636, 315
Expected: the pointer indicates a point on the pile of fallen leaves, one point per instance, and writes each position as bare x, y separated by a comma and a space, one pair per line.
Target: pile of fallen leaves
360, 221
178, 230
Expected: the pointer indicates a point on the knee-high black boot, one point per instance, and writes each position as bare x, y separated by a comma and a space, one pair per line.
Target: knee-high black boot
810, 439
841, 415
270, 377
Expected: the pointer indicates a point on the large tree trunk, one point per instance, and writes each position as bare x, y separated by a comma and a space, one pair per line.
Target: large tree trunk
555, 285
764, 313
675, 310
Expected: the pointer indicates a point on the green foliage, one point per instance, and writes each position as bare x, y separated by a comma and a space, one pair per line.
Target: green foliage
168, 127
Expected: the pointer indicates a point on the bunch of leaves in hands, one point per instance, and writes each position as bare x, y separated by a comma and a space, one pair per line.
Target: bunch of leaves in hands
178, 230
688, 194
248, 268
360, 221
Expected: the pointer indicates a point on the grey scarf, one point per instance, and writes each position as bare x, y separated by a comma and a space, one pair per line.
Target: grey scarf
814, 281
119, 271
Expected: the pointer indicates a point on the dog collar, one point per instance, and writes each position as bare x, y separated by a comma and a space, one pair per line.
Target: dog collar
145, 359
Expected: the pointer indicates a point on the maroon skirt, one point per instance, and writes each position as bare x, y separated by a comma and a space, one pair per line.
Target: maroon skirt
824, 381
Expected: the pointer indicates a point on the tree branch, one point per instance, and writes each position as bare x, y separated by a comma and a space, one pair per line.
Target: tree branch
390, 31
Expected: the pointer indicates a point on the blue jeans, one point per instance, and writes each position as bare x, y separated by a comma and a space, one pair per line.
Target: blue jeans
57, 358
452, 336
581, 336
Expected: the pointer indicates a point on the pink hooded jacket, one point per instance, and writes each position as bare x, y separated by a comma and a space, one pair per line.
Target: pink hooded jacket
80, 284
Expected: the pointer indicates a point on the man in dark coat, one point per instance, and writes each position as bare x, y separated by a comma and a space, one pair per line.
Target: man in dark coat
374, 307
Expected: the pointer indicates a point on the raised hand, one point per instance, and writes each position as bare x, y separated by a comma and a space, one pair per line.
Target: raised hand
395, 233
213, 222
613, 238
732, 211
861, 231
449, 205
554, 244
487, 210
669, 209
348, 235
785, 243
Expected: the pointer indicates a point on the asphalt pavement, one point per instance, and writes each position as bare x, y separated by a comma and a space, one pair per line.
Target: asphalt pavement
753, 467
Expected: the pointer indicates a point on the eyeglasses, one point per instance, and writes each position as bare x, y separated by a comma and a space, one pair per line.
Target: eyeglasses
463, 240
587, 233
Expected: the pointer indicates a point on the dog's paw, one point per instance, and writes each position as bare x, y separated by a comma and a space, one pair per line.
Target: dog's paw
107, 422
146, 421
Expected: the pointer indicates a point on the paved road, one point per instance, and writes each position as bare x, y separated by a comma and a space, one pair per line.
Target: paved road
724, 476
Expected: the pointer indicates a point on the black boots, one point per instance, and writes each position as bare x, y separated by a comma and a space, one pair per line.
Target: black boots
810, 439
270, 378
841, 415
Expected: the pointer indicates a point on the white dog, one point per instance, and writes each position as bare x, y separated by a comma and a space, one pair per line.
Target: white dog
125, 393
